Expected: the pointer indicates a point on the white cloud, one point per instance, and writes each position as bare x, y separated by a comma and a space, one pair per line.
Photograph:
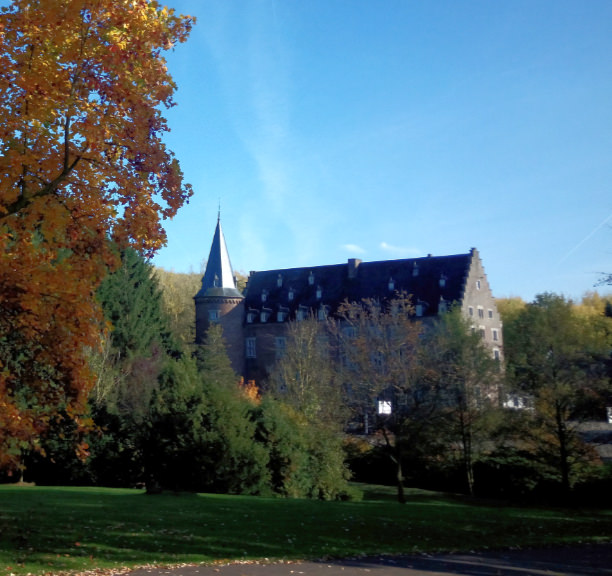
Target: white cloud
399, 250
353, 248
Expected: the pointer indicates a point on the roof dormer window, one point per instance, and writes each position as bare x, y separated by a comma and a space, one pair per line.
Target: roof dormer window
415, 269
301, 313
282, 314
311, 279
391, 284
279, 281
442, 306
322, 313
319, 292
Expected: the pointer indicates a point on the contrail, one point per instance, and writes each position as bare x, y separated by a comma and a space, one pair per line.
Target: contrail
586, 238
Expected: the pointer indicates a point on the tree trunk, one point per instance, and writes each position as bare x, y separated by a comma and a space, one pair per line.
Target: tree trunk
564, 466
401, 497
397, 459
466, 440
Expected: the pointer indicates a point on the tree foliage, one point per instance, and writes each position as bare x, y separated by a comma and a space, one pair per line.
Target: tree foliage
82, 88
305, 376
559, 359
378, 352
178, 291
462, 382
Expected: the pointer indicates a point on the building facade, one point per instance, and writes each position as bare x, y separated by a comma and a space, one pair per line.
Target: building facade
255, 324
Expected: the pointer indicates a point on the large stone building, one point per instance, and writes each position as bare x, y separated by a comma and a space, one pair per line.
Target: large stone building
254, 324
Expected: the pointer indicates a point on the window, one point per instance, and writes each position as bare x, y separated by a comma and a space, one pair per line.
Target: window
291, 294
279, 281
496, 355
264, 295
265, 315
213, 315
415, 269
442, 306
490, 313
251, 316
391, 284
302, 313
319, 292
384, 407
310, 279
280, 346
419, 309
495, 335
482, 332
477, 284
471, 311
480, 312
282, 314
250, 347
322, 313
442, 281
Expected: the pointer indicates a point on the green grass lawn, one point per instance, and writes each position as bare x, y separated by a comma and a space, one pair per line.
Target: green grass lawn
59, 529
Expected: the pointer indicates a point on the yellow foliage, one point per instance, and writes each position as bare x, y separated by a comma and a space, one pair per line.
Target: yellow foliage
82, 86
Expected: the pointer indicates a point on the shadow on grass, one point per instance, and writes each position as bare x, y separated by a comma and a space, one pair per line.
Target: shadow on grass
55, 529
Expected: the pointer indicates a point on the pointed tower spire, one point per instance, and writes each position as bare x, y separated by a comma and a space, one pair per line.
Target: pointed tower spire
218, 279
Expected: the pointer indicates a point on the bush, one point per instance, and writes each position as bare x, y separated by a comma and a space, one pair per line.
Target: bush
305, 461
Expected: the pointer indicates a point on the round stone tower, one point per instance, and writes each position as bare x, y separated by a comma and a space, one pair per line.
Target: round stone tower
220, 302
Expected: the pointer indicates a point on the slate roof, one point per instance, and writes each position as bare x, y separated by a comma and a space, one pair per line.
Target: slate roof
218, 279
428, 280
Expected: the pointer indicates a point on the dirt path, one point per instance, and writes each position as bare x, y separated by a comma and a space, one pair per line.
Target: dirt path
585, 560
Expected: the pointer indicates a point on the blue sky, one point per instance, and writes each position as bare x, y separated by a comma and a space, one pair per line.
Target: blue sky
379, 129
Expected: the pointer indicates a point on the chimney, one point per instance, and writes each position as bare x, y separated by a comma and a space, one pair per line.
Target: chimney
353, 264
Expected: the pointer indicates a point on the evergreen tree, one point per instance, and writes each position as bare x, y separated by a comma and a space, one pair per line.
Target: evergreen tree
229, 458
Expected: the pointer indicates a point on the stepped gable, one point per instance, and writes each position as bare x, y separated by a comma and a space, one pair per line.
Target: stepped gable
429, 280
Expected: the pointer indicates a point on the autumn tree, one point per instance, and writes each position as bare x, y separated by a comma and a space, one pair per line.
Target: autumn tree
82, 88
559, 361
378, 351
305, 375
